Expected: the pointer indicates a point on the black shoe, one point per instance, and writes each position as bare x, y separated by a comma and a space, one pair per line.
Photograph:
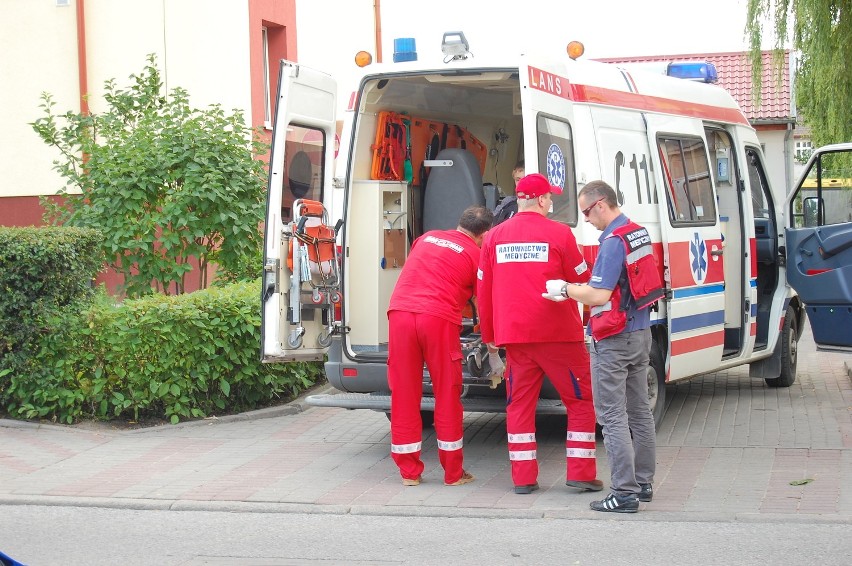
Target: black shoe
646, 492
526, 489
616, 504
591, 485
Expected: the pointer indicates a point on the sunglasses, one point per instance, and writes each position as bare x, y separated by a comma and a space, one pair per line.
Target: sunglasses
588, 210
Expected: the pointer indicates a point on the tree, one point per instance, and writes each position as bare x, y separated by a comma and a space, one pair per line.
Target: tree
822, 36
162, 181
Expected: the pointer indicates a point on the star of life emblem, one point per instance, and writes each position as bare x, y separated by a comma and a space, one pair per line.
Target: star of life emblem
555, 166
698, 258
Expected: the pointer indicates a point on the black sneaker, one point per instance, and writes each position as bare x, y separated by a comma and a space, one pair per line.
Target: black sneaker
616, 504
526, 489
646, 492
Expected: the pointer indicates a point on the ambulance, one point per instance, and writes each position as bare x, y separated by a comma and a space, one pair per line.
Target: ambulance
422, 140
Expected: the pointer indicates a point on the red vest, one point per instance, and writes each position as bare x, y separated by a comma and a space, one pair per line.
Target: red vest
643, 280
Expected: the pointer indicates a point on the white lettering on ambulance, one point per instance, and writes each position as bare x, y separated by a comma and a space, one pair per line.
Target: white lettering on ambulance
547, 82
444, 244
521, 252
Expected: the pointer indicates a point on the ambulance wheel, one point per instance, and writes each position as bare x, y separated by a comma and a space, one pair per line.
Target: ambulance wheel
789, 351
657, 384
428, 418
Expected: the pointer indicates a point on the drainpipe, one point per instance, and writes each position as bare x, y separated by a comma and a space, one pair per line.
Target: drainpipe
377, 17
788, 158
82, 69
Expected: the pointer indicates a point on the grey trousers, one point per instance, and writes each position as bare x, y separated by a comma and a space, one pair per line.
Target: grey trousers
620, 390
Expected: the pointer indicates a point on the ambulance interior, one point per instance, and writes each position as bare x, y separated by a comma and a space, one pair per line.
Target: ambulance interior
464, 131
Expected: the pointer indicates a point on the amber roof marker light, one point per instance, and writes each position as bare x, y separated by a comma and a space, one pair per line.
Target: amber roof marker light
363, 58
575, 50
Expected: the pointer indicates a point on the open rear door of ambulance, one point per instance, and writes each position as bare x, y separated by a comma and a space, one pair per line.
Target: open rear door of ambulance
818, 240
692, 245
298, 289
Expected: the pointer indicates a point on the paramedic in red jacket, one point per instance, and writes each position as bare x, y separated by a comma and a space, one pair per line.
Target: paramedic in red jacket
424, 316
518, 257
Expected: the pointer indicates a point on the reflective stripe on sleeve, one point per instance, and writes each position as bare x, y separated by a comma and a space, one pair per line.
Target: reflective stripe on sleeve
515, 455
406, 448
450, 446
580, 436
579, 453
523, 437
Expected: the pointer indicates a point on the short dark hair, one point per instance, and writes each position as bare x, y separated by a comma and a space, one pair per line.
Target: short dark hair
519, 165
476, 220
599, 190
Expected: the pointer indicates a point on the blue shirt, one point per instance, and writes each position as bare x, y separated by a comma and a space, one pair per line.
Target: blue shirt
609, 268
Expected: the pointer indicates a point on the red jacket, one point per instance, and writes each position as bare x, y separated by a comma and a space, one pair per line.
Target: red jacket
518, 257
439, 276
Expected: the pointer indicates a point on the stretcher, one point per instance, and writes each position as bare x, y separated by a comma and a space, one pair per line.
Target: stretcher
314, 266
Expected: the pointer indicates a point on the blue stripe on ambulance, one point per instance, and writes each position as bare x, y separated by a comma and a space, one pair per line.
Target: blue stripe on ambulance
691, 322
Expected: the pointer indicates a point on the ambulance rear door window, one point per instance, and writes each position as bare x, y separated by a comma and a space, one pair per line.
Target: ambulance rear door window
689, 189
556, 162
304, 151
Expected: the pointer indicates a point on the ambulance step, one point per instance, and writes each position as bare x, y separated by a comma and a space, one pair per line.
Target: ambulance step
494, 404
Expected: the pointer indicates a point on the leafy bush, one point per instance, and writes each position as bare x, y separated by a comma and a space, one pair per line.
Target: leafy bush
164, 182
43, 273
173, 357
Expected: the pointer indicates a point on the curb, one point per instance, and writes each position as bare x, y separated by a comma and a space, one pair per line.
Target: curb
298, 405
411, 511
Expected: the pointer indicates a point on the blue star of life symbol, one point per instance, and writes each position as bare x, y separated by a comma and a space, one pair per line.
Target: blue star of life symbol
698, 259
555, 166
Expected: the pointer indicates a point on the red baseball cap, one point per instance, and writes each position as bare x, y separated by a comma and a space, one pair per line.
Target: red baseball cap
535, 185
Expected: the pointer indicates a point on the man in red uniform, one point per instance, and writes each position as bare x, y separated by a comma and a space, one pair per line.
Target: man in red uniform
424, 316
518, 257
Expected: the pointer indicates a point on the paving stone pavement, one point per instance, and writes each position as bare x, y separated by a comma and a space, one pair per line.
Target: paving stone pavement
728, 449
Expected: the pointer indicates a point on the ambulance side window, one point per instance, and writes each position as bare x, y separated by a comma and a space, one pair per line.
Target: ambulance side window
304, 151
556, 162
825, 196
689, 189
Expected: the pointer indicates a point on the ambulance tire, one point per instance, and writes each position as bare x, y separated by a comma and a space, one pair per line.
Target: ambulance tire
428, 418
657, 384
789, 351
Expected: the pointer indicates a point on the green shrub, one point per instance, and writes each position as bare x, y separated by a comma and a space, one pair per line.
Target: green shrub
44, 272
173, 357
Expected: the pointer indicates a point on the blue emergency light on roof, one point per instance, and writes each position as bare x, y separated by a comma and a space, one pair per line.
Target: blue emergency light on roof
693, 70
404, 49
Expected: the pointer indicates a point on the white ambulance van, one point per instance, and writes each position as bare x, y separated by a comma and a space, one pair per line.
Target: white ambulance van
422, 141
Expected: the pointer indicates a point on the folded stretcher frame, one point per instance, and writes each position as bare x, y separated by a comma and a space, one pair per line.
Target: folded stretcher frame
314, 266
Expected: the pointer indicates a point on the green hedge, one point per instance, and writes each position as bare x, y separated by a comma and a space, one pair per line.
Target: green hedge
173, 357
44, 272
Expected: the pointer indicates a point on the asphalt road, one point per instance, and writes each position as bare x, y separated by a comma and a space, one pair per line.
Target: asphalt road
93, 536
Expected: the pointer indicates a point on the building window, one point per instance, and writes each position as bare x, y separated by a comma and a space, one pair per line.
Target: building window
267, 96
804, 148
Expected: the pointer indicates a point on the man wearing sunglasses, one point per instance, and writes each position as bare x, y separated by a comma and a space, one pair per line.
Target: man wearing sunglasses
517, 259
625, 281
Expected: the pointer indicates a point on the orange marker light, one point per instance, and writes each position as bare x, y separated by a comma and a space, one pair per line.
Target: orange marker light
575, 50
363, 58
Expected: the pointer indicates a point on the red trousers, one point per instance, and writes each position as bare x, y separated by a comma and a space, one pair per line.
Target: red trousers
566, 364
414, 339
